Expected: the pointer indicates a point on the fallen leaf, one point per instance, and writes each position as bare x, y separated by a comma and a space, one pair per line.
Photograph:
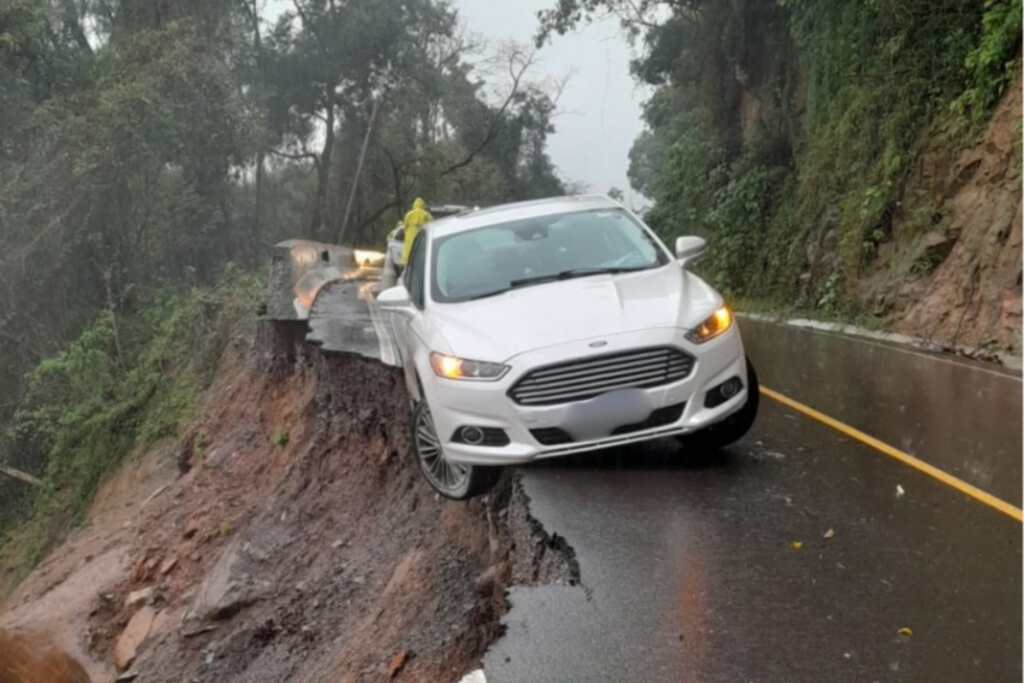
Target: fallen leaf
847, 655
796, 545
905, 632
397, 662
830, 533
899, 491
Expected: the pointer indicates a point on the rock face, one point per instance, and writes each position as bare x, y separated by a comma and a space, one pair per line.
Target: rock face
227, 589
961, 281
134, 634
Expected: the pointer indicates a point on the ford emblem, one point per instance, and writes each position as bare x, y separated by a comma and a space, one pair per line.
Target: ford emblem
598, 344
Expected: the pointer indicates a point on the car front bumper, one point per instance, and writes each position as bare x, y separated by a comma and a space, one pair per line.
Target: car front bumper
455, 404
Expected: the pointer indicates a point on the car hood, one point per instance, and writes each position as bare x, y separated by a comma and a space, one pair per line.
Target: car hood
501, 327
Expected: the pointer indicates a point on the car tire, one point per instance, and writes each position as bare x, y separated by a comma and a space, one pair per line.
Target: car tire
451, 480
733, 428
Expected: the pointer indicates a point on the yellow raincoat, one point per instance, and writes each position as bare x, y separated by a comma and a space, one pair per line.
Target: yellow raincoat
413, 221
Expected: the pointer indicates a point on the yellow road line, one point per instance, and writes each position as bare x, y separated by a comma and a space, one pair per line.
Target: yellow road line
920, 465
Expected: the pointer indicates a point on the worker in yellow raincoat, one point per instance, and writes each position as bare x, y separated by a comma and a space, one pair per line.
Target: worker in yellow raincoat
413, 221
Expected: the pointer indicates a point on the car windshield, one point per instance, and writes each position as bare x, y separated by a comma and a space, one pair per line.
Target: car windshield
495, 259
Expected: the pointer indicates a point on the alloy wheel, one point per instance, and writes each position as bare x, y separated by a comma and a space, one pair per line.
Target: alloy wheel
445, 476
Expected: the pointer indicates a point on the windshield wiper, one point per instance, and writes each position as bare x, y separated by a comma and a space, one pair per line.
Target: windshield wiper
573, 273
554, 277
485, 295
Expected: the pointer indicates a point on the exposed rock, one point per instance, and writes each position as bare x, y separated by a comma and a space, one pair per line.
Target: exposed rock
168, 566
139, 596
228, 589
191, 528
973, 296
134, 634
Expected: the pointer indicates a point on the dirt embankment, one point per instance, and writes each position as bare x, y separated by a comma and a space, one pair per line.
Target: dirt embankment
952, 272
287, 537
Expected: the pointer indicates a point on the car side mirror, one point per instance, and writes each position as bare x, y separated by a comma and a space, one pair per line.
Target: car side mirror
689, 249
394, 297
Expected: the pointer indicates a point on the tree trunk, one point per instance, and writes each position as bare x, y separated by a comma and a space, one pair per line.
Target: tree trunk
20, 476
261, 155
257, 219
359, 171
323, 171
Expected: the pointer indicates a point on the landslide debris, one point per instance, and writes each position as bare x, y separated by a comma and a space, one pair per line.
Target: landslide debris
323, 558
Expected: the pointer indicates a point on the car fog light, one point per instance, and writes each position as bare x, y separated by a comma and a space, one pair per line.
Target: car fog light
730, 388
723, 392
472, 435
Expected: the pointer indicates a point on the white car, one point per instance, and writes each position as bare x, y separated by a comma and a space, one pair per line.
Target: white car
560, 326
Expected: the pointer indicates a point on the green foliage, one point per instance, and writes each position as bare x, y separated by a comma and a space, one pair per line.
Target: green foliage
738, 221
123, 385
171, 137
280, 437
785, 130
990, 64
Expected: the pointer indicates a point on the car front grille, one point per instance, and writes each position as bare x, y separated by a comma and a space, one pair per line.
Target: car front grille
580, 380
553, 436
659, 418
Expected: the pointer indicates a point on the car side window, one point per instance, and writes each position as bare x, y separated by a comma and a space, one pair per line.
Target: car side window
414, 275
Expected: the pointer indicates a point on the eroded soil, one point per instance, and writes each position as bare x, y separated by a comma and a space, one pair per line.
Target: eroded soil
287, 536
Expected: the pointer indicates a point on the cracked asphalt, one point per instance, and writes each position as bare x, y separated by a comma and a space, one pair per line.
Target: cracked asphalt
799, 554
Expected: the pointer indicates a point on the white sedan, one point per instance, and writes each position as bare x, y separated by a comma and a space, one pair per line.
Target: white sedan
560, 326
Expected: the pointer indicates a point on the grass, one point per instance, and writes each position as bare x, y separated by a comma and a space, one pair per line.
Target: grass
280, 438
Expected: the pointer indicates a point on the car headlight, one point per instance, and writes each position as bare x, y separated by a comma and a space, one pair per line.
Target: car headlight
453, 367
715, 324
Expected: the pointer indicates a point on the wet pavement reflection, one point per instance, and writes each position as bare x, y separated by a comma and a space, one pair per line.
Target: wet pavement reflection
689, 573
792, 556
959, 416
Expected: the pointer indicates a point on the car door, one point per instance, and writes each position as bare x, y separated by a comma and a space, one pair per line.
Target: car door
410, 324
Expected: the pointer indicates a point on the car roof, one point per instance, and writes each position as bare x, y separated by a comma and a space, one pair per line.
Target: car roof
513, 212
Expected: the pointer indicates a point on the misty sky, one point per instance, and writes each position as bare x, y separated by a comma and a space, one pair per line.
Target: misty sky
599, 112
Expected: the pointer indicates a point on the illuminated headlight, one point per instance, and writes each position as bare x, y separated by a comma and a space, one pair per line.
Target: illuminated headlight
717, 323
368, 258
452, 367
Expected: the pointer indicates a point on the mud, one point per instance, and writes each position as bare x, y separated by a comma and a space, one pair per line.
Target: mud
290, 536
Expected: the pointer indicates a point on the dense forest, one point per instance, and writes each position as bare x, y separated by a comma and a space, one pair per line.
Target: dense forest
147, 142
149, 147
811, 141
151, 151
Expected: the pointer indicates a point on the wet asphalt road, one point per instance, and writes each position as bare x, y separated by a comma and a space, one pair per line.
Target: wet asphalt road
689, 572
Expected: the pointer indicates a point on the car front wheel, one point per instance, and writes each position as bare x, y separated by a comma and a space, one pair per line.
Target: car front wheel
733, 428
451, 480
